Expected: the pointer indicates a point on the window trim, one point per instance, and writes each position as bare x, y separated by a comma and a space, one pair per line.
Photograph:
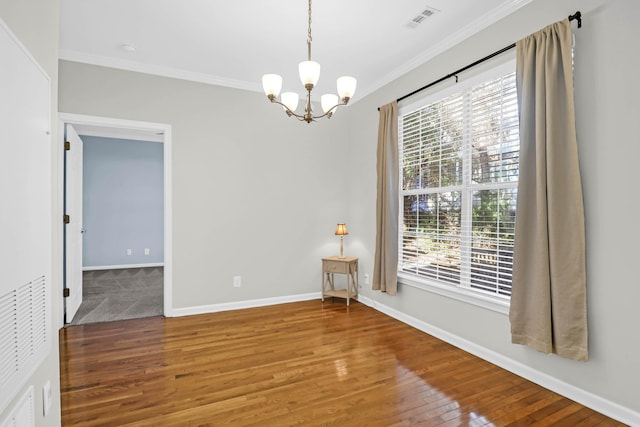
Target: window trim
493, 302
460, 293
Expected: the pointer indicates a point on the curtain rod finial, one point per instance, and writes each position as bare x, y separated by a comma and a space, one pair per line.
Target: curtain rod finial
578, 17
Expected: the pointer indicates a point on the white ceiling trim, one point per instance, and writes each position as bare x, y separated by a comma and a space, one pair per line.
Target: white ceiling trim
139, 67
464, 33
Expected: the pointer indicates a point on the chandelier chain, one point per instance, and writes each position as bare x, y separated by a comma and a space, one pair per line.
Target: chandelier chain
309, 35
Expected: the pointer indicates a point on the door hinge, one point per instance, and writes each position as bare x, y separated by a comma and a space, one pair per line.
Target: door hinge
66, 219
66, 292
67, 146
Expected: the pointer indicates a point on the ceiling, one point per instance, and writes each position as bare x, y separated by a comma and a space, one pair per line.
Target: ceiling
232, 43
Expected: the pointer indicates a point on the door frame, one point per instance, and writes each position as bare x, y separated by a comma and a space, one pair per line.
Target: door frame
131, 125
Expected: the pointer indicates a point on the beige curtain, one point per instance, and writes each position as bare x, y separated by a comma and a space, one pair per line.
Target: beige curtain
548, 304
385, 268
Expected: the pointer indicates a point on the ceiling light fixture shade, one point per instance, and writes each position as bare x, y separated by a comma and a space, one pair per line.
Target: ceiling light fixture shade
328, 101
290, 100
309, 75
272, 84
346, 87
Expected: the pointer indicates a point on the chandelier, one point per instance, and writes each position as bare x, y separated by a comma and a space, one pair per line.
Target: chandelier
309, 74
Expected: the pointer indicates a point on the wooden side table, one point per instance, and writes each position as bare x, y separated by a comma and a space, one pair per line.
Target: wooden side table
337, 265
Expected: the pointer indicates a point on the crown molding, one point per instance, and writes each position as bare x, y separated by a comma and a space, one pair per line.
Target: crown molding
479, 24
157, 70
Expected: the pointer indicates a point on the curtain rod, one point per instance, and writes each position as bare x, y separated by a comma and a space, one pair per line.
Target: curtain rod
575, 17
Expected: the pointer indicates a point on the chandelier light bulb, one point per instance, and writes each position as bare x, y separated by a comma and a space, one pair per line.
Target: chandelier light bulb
328, 101
346, 87
309, 72
290, 100
272, 84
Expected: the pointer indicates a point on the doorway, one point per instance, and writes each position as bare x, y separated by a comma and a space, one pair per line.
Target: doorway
145, 274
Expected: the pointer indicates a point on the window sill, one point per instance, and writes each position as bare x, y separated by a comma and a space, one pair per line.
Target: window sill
497, 304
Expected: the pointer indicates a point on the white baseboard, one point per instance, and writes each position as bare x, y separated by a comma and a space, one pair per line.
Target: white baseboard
118, 267
597, 403
237, 305
586, 398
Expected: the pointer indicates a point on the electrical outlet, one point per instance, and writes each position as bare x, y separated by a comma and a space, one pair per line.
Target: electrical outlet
46, 398
366, 279
129, 252
146, 251
237, 281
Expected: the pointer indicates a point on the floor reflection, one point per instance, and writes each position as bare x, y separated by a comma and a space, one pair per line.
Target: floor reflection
432, 404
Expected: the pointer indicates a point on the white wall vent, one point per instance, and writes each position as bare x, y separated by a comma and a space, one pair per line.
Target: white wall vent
23, 330
427, 12
24, 414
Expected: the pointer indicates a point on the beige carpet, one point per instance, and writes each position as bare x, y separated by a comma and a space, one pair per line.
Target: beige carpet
120, 294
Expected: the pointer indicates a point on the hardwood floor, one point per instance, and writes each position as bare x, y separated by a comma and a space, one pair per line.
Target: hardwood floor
290, 364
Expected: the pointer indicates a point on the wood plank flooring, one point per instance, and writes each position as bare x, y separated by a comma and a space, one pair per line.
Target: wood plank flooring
292, 364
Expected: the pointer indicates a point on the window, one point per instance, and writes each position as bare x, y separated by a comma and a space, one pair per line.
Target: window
459, 164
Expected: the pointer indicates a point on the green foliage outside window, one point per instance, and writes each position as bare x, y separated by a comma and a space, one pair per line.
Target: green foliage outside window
459, 187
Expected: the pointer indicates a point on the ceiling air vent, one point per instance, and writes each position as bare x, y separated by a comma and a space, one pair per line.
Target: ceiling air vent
422, 16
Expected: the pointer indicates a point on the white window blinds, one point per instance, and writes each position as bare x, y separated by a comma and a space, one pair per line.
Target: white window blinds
459, 163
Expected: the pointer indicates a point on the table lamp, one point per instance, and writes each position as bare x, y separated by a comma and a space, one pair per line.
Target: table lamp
341, 230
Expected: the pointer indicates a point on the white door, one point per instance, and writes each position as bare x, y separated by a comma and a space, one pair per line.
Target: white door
73, 229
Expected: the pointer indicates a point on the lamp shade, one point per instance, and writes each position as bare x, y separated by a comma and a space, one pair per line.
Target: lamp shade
290, 99
327, 101
341, 230
272, 84
309, 72
346, 86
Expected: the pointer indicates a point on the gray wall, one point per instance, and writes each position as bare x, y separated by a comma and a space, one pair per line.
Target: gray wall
255, 193
606, 94
258, 195
122, 202
35, 23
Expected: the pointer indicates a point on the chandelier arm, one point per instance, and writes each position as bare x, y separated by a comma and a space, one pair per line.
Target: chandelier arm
307, 117
329, 112
287, 109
